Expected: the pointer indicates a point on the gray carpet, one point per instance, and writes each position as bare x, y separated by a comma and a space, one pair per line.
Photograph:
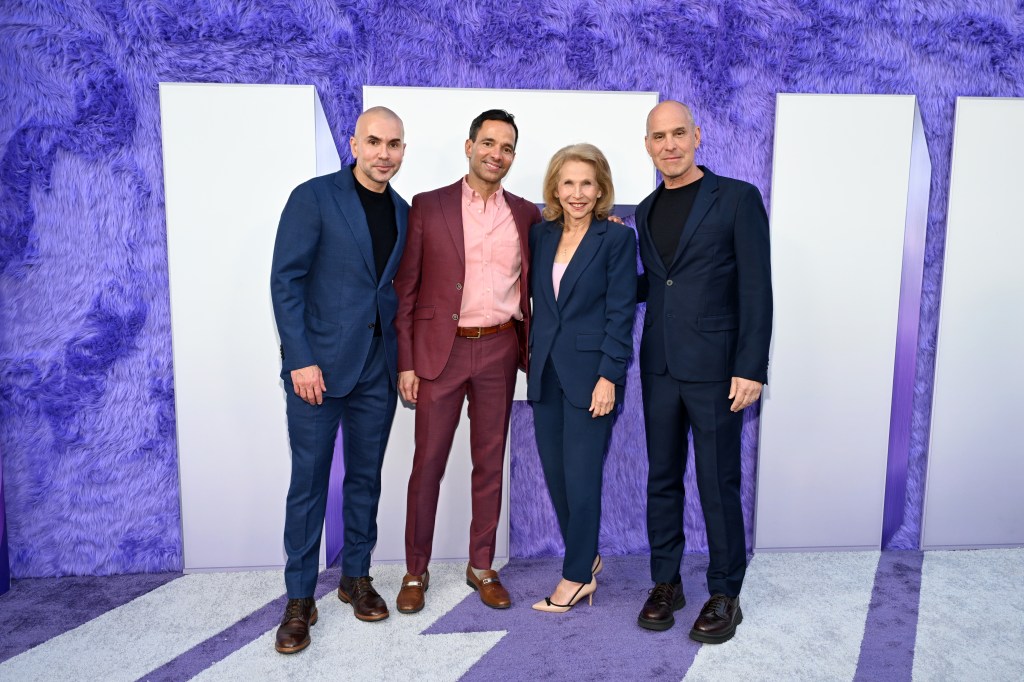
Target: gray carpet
823, 616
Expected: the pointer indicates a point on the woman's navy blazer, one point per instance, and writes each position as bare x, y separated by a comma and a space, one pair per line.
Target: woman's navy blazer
588, 331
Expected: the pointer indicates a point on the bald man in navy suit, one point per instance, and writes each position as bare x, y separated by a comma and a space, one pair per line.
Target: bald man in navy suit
339, 242
703, 360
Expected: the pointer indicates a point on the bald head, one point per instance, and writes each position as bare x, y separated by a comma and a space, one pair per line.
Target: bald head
377, 114
670, 107
378, 147
672, 141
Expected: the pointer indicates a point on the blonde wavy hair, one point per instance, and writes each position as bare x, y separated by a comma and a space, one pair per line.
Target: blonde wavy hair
587, 153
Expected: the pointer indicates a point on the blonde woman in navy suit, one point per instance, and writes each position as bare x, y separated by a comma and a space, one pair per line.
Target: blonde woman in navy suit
583, 281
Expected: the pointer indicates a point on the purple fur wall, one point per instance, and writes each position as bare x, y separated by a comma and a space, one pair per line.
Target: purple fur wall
86, 392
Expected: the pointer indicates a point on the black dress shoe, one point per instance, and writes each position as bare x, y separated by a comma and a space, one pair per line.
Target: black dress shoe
365, 601
717, 620
293, 634
657, 611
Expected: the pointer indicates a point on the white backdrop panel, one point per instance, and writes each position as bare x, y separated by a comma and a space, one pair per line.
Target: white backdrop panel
232, 154
436, 127
975, 468
839, 210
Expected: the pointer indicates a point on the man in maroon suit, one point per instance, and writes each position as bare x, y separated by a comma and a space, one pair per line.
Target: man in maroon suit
462, 323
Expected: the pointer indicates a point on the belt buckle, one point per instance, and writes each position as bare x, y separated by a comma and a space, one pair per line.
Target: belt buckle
479, 331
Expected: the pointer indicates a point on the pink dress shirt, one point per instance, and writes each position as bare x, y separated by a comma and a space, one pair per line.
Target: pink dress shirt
490, 294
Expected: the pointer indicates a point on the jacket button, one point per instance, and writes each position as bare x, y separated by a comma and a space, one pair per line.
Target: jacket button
370, 326
455, 317
668, 283
458, 286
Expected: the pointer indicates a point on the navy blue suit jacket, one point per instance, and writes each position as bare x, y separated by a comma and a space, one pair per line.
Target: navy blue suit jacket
588, 331
709, 314
324, 284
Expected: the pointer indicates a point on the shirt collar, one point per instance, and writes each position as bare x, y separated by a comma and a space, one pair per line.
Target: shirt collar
469, 195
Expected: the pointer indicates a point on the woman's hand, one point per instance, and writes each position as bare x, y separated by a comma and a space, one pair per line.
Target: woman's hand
603, 400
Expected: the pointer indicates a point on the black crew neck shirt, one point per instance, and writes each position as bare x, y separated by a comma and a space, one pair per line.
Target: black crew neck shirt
671, 209
380, 216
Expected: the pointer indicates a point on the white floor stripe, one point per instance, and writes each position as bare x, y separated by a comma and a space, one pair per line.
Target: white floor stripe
971, 625
133, 639
344, 648
803, 617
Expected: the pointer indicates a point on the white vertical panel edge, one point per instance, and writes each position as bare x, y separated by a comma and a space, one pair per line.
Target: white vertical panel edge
839, 213
232, 155
975, 468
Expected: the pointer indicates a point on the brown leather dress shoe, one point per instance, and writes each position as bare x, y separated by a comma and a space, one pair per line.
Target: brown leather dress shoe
411, 596
364, 599
293, 634
657, 611
717, 620
492, 592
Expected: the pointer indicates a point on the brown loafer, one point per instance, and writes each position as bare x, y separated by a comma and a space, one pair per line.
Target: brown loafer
293, 633
411, 596
717, 620
664, 598
365, 601
492, 592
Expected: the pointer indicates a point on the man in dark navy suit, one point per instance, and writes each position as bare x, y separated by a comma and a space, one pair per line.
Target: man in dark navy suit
338, 246
703, 359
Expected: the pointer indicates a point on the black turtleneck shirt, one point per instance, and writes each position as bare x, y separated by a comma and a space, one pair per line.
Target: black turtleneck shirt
668, 216
380, 216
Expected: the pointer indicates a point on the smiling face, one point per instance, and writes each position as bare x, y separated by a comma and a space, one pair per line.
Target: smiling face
377, 148
672, 141
577, 191
491, 154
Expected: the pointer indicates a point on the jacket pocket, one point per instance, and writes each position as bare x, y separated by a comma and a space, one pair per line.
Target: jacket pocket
589, 341
423, 312
717, 323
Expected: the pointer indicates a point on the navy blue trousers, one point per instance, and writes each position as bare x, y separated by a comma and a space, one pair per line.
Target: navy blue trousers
671, 409
365, 417
572, 446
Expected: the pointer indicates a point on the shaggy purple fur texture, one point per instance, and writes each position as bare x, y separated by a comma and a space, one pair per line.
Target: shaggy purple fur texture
86, 395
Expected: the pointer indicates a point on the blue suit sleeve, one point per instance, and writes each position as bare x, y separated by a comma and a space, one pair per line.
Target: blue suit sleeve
620, 307
754, 279
298, 235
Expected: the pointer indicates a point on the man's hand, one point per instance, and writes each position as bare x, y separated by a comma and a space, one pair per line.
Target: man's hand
743, 393
616, 219
308, 383
603, 399
409, 386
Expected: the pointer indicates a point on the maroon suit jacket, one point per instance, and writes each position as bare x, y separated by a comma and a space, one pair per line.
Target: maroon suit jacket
430, 276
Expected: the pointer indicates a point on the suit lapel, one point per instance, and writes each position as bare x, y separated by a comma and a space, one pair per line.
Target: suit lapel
706, 197
401, 222
643, 212
354, 216
543, 262
451, 209
585, 252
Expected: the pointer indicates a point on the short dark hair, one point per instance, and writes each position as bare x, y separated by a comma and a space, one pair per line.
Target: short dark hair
493, 115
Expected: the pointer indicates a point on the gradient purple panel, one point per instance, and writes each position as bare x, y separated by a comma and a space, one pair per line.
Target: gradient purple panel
5, 564
907, 326
334, 521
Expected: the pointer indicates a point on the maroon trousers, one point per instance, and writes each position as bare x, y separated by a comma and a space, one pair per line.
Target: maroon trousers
484, 371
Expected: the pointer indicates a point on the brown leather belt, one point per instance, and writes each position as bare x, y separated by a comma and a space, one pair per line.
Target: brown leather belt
477, 332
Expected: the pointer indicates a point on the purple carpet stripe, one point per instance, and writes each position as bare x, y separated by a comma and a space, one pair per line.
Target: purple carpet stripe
907, 327
231, 639
5, 557
334, 524
890, 632
588, 642
38, 609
